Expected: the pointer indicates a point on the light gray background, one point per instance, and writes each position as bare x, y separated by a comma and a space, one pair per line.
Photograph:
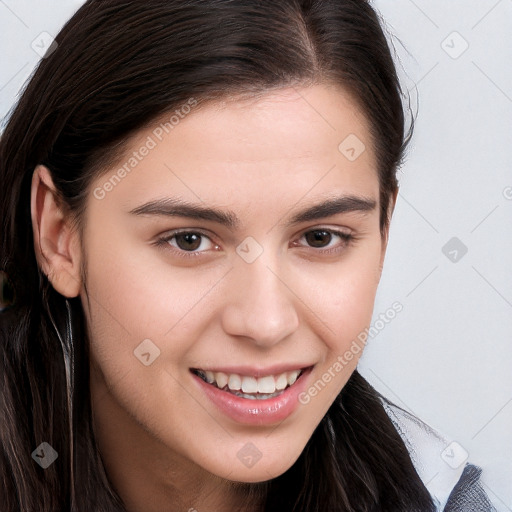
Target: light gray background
447, 356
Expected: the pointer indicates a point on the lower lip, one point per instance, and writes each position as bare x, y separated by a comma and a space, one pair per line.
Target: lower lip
256, 412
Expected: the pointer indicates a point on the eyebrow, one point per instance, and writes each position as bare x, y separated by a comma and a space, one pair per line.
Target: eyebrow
335, 206
174, 207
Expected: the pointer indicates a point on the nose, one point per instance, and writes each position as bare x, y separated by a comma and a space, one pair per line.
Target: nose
259, 306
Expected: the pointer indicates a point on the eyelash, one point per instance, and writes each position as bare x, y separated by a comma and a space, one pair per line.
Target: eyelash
346, 240
164, 241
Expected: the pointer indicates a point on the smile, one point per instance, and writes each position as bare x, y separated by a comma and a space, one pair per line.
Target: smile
253, 388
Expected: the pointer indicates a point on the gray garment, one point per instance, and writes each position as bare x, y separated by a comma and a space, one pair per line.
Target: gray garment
452, 481
468, 495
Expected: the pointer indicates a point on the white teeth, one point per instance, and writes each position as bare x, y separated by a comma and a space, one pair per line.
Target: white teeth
249, 385
267, 385
234, 382
221, 379
292, 376
281, 382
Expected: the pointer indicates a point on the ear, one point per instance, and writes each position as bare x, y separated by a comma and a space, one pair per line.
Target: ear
385, 236
56, 243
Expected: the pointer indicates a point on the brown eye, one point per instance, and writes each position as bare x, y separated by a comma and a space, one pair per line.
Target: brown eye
318, 238
325, 240
188, 241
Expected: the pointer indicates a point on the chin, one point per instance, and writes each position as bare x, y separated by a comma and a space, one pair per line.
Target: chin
259, 471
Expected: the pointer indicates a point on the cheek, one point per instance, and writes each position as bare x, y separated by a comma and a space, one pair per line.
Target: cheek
343, 302
133, 297
342, 296
140, 290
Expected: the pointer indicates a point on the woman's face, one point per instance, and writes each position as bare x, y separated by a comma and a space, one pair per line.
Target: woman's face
241, 246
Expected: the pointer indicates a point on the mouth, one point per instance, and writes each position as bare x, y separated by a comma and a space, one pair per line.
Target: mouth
250, 387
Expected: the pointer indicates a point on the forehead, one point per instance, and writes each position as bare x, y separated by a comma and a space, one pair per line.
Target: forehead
284, 145
287, 123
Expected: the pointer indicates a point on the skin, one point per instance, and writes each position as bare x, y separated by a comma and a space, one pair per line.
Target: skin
165, 445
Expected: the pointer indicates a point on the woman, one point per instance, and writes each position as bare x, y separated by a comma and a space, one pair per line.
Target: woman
195, 213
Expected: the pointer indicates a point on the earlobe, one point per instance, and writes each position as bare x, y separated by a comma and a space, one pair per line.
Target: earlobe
56, 243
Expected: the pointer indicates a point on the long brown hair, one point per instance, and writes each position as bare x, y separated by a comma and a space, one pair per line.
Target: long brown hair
117, 67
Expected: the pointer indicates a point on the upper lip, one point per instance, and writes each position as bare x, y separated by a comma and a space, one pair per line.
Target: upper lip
254, 371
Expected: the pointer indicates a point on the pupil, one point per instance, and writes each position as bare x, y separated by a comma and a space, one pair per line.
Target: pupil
318, 238
188, 241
